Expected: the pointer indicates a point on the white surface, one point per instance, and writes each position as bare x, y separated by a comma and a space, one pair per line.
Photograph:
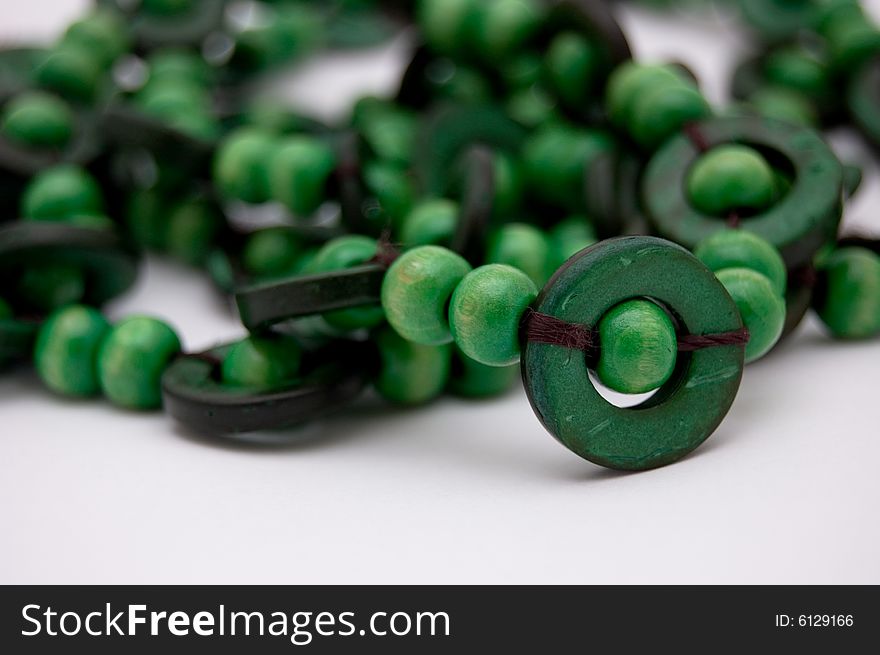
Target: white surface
786, 491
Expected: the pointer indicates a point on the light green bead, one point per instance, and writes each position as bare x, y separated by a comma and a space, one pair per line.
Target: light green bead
504, 26
410, 373
761, 307
639, 347
663, 111
524, 247
262, 363
192, 227
431, 222
72, 72
470, 379
39, 120
66, 350
49, 286
784, 105
132, 359
388, 130
339, 254
731, 178
486, 310
417, 289
102, 32
241, 165
849, 302
181, 66
569, 237
170, 98
743, 249
532, 107
299, 172
629, 82
270, 253
447, 24
573, 64
60, 192
796, 69
394, 192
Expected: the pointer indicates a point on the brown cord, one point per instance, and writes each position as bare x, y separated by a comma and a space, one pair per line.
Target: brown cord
696, 137
387, 252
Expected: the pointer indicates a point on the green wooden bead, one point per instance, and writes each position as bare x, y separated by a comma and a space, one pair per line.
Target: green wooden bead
532, 107
241, 165
431, 222
66, 350
168, 98
60, 192
744, 249
849, 301
573, 64
394, 191
339, 254
797, 69
486, 310
785, 105
49, 286
71, 71
639, 347
181, 66
508, 185
262, 363
524, 247
410, 373
36, 119
271, 253
299, 172
446, 24
102, 32
470, 379
388, 130
761, 307
417, 289
192, 227
568, 237
523, 71
146, 218
663, 111
731, 178
504, 26
132, 359
628, 83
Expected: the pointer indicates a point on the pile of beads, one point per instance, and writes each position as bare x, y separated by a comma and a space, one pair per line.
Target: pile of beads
444, 239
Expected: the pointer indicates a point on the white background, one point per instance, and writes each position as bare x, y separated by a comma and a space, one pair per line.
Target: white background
786, 491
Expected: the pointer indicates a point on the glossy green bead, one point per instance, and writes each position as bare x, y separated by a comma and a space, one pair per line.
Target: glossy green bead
132, 359
431, 222
447, 24
299, 172
568, 237
417, 289
796, 69
486, 311
146, 218
744, 249
241, 165
573, 64
388, 130
504, 26
271, 252
262, 363
470, 379
394, 191
192, 228
851, 40
849, 303
638, 347
72, 72
49, 286
410, 373
731, 178
785, 105
339, 254
170, 98
524, 247
180, 66
629, 82
66, 350
532, 107
102, 32
60, 192
761, 307
663, 111
39, 120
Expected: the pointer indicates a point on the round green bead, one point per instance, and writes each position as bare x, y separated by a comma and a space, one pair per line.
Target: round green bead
39, 120
522, 71
663, 111
508, 185
731, 178
394, 192
629, 82
180, 66
60, 192
132, 359
241, 165
49, 286
784, 105
388, 130
72, 72
486, 310
339, 254
639, 347
417, 289
431, 222
262, 363
470, 379
849, 304
146, 218
744, 249
796, 69
270, 253
299, 172
411, 373
569, 237
524, 247
102, 32
761, 307
446, 24
573, 63
192, 227
169, 98
66, 351
532, 107
504, 26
